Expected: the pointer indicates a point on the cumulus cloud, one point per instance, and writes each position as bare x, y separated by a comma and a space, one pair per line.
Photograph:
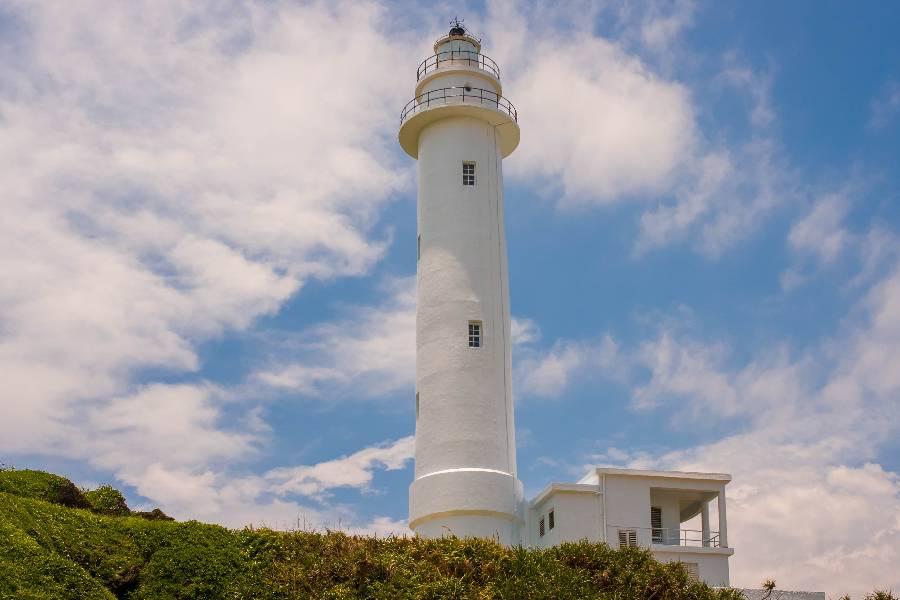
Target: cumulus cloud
821, 236
175, 170
611, 119
885, 106
368, 353
548, 373
810, 505
354, 470
524, 331
598, 120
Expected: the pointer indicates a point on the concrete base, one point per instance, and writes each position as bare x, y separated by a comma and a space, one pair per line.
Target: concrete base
467, 503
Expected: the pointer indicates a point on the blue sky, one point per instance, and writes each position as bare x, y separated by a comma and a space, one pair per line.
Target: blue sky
209, 257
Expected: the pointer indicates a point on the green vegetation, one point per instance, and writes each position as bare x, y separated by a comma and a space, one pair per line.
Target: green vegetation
54, 547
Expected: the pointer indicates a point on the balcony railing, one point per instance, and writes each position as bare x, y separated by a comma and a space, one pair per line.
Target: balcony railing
457, 57
458, 95
668, 537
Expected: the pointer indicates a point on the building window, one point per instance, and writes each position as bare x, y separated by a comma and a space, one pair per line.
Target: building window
656, 526
627, 538
418, 247
541, 527
417, 405
468, 173
474, 334
551, 522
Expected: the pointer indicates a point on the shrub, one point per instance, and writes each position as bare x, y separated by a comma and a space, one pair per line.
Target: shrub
51, 551
107, 500
153, 515
43, 486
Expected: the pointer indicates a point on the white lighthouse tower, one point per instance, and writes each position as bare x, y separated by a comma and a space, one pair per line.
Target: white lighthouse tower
460, 127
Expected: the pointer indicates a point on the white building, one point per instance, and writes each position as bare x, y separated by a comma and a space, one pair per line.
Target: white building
626, 507
460, 128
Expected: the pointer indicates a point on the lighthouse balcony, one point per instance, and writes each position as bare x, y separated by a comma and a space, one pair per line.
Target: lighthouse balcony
455, 59
449, 96
459, 101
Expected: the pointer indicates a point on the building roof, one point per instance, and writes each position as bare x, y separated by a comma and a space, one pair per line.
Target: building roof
572, 488
721, 477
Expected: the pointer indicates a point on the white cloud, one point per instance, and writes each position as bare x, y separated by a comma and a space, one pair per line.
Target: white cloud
726, 196
524, 331
664, 23
354, 470
820, 232
369, 353
684, 371
885, 106
821, 236
607, 120
175, 170
547, 374
810, 505
596, 119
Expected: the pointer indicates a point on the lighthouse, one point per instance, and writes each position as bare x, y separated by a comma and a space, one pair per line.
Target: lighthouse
459, 128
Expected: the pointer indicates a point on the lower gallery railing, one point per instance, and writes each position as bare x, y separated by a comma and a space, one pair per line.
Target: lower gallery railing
628, 536
458, 95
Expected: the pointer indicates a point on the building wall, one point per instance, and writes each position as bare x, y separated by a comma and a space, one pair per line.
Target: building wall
471, 76
465, 434
577, 516
713, 568
465, 407
627, 505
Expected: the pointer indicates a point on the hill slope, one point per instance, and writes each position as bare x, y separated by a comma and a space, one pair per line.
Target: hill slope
54, 544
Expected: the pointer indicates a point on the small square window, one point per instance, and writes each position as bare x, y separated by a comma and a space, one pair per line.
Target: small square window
468, 173
627, 538
551, 522
541, 527
474, 334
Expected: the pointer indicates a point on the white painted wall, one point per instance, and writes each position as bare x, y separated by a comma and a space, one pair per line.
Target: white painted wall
459, 78
713, 568
465, 473
627, 505
578, 516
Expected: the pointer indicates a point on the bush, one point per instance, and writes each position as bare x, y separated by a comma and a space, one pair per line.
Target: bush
42, 486
153, 515
107, 500
51, 551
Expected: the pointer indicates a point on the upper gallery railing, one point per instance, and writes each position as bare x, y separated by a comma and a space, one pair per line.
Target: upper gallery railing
458, 95
466, 57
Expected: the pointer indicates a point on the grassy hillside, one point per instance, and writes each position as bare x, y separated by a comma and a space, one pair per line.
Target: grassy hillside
59, 542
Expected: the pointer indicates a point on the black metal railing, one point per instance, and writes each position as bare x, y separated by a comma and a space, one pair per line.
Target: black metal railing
458, 95
456, 57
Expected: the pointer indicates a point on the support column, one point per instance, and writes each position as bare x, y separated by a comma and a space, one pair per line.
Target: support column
704, 523
723, 519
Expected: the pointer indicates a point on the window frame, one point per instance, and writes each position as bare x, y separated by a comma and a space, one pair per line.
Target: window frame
551, 519
657, 532
476, 338
469, 179
628, 538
